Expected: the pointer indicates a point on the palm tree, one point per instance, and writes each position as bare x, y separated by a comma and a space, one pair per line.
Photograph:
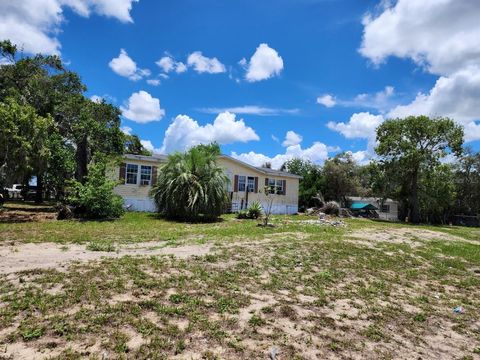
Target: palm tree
191, 186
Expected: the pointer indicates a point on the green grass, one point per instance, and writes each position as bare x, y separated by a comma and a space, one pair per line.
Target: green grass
140, 227
101, 245
309, 290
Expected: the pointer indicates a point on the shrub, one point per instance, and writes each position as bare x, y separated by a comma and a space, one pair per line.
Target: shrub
192, 186
242, 214
331, 208
95, 199
255, 210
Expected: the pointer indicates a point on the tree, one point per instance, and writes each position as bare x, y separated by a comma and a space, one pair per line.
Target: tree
15, 135
94, 128
467, 175
134, 146
84, 126
414, 145
40, 151
311, 183
437, 194
341, 177
191, 186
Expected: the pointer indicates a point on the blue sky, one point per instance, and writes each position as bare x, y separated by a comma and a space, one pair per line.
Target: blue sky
316, 77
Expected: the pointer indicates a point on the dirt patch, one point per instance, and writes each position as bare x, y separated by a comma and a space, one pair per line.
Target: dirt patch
49, 255
19, 216
412, 237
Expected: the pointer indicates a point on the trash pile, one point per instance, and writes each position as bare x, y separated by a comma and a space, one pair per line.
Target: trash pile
324, 219
342, 212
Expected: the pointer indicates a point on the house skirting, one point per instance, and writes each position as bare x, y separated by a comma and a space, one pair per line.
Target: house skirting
145, 205
148, 205
277, 209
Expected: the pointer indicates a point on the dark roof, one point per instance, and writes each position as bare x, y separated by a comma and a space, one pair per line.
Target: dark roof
266, 171
154, 157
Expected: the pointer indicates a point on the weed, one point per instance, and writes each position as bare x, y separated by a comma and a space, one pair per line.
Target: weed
106, 246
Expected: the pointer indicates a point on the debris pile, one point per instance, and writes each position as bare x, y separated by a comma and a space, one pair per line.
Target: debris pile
343, 212
324, 219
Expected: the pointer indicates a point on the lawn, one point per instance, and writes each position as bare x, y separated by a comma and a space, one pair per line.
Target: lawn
155, 289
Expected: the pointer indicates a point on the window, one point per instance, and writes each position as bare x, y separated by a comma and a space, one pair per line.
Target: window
251, 184
280, 187
132, 174
385, 208
145, 175
272, 186
276, 186
241, 183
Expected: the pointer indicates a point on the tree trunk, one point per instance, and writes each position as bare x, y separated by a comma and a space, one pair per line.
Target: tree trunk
39, 192
81, 158
414, 205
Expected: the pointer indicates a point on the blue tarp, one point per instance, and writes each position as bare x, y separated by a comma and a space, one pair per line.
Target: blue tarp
362, 206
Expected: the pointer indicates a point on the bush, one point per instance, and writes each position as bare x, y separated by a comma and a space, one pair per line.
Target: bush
95, 199
242, 214
331, 208
255, 210
192, 186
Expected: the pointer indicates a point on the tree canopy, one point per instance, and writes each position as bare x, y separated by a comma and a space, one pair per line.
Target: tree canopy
412, 148
50, 129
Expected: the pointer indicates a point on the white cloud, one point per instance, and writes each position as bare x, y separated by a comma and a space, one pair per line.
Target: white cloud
203, 64
184, 132
360, 126
361, 157
180, 67
97, 99
169, 64
148, 145
104, 97
127, 130
316, 153
119, 9
292, 138
442, 35
123, 65
326, 100
166, 63
143, 108
381, 100
264, 64
455, 96
34, 25
153, 82
444, 38
252, 110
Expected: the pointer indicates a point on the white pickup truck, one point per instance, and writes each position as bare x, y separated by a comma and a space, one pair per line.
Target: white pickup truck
15, 191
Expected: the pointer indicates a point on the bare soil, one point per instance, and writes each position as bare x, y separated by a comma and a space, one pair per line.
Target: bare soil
30, 256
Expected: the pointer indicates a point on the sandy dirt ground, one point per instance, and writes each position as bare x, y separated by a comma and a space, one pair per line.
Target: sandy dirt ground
15, 258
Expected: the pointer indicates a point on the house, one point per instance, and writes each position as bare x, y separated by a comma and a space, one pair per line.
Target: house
137, 173
386, 209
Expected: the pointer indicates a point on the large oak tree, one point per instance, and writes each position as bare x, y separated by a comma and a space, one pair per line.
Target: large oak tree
415, 145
